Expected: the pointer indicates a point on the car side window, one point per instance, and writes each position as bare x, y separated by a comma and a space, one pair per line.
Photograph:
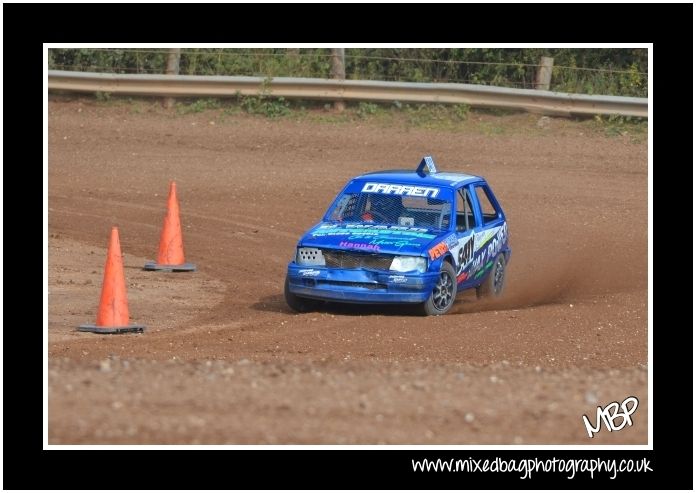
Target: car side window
465, 216
488, 211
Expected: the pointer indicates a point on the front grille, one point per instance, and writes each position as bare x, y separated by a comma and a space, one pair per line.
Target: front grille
353, 260
349, 284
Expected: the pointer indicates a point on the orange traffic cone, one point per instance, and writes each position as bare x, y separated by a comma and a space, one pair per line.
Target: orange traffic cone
113, 305
171, 249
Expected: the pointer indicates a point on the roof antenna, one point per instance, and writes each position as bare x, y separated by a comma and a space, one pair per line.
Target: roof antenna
426, 161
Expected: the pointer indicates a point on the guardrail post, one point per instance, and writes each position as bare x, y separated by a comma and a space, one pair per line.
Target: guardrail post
543, 74
338, 71
173, 58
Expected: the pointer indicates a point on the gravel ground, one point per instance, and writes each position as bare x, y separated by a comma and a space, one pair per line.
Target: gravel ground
225, 361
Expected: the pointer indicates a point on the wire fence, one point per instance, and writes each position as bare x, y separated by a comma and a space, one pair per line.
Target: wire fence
624, 72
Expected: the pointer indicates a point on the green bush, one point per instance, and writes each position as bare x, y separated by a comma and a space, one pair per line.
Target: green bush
264, 105
102, 96
613, 71
462, 111
614, 125
198, 106
366, 109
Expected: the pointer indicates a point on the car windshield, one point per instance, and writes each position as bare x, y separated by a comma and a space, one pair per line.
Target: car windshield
398, 210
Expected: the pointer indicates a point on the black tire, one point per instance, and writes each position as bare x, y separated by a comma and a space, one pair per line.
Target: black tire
444, 292
298, 303
494, 284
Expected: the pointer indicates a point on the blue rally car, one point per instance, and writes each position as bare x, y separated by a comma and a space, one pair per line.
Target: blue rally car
415, 237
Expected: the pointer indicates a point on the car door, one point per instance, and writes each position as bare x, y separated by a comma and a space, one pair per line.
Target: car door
464, 230
490, 231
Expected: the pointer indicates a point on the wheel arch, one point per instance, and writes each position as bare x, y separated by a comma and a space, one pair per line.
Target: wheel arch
436, 264
448, 257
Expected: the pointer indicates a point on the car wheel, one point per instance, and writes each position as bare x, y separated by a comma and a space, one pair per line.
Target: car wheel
495, 282
444, 292
298, 303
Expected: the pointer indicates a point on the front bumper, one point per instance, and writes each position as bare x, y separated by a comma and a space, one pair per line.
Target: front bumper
360, 285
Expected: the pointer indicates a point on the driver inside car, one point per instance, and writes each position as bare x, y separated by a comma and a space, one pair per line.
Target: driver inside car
383, 209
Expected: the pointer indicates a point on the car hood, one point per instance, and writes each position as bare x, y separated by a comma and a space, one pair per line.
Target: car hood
373, 238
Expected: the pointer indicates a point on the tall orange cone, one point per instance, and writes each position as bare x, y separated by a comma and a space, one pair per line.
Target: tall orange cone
113, 304
171, 249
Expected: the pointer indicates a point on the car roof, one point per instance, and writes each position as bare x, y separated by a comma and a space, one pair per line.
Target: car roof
410, 177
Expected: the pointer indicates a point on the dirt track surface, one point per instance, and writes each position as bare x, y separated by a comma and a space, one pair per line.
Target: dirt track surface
225, 361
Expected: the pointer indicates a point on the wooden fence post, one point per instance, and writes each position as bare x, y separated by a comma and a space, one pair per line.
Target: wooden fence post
173, 58
338, 71
543, 74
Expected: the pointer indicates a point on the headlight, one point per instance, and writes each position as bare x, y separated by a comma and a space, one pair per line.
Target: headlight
406, 264
309, 256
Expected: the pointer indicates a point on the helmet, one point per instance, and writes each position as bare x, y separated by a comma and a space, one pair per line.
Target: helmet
386, 208
384, 203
